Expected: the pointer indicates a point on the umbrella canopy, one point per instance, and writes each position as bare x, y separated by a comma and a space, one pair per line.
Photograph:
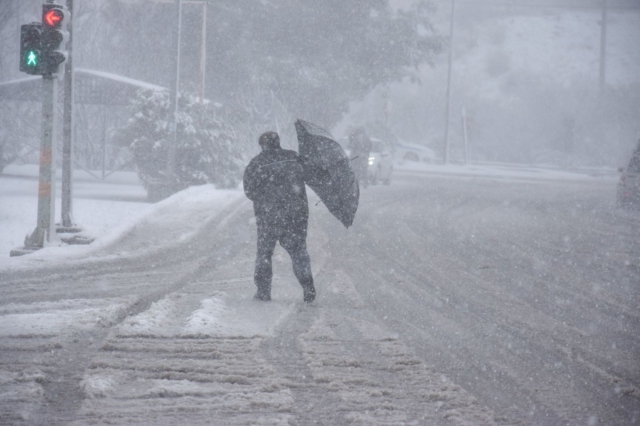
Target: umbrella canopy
328, 171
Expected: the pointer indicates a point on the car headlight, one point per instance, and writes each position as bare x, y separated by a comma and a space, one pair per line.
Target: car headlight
372, 160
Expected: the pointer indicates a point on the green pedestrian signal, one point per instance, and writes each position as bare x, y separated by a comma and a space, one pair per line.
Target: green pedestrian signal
31, 48
32, 59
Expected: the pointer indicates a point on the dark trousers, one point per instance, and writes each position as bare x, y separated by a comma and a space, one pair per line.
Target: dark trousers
294, 241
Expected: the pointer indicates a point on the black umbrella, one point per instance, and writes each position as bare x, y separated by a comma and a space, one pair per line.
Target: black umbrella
328, 171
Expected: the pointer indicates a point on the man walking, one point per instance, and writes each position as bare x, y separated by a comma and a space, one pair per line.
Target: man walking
274, 181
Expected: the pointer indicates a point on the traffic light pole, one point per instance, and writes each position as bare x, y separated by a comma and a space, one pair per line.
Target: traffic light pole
42, 53
67, 131
45, 229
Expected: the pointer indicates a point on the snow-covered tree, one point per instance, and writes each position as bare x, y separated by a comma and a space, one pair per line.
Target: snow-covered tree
206, 149
314, 56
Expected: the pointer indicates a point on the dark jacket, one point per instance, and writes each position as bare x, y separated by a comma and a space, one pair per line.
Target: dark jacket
274, 181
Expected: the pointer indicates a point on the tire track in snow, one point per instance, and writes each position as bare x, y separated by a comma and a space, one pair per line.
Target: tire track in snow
174, 361
57, 384
472, 324
312, 404
195, 354
347, 370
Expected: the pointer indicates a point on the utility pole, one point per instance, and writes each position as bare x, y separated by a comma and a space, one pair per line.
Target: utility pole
203, 51
67, 131
603, 46
173, 102
465, 134
448, 95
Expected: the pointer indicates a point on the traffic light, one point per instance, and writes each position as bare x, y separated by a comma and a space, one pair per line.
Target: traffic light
55, 18
30, 49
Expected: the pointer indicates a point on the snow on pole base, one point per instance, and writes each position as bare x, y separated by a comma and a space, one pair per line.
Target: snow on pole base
21, 251
76, 239
69, 235
72, 235
73, 229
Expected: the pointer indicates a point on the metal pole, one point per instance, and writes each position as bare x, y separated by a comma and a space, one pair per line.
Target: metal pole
104, 146
46, 190
466, 137
203, 51
67, 131
446, 121
173, 102
603, 46
18, 15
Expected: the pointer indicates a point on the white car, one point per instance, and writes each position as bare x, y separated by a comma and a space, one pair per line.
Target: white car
380, 162
412, 152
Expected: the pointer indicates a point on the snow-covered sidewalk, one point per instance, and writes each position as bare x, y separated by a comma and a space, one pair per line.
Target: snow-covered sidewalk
107, 211
511, 172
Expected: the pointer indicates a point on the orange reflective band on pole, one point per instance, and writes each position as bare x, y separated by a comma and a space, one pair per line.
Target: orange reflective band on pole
45, 156
44, 190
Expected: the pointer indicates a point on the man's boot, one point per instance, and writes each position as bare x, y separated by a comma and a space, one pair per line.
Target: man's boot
309, 294
263, 294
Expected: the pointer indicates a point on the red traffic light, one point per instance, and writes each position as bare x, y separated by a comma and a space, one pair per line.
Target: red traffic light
53, 18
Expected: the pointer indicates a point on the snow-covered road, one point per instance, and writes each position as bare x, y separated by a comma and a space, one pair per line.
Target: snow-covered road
526, 295
450, 301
